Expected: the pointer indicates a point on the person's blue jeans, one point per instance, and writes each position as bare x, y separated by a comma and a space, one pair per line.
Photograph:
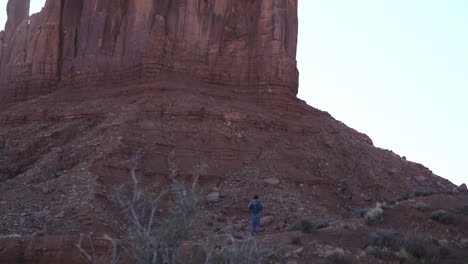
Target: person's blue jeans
256, 223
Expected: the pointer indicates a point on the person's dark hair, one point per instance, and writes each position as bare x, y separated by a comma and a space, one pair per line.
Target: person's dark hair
255, 197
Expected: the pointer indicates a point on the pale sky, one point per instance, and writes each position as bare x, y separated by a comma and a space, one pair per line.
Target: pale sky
395, 70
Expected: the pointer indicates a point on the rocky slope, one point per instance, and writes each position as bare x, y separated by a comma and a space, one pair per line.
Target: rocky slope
88, 85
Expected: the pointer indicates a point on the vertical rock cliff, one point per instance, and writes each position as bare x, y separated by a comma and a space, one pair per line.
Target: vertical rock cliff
77, 43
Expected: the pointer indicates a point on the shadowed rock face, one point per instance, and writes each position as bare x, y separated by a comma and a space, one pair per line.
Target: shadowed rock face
94, 42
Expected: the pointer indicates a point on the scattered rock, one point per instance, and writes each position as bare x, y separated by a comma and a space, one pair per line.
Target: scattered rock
42, 213
239, 226
85, 219
272, 181
213, 197
266, 220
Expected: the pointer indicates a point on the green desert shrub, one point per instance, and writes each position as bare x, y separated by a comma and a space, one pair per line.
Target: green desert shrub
443, 217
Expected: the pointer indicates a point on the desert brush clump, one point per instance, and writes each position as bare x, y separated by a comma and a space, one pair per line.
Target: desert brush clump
417, 192
390, 245
296, 240
333, 255
443, 217
308, 226
421, 206
375, 214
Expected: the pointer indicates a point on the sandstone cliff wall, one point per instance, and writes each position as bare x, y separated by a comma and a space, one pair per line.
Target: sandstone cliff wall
247, 43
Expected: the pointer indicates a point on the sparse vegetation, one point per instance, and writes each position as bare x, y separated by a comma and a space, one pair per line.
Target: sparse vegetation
338, 256
147, 240
308, 226
443, 217
296, 240
418, 192
465, 209
375, 214
388, 244
360, 212
422, 191
333, 255
156, 241
421, 206
245, 252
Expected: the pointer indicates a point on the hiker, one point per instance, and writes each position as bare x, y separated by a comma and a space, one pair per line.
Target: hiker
255, 208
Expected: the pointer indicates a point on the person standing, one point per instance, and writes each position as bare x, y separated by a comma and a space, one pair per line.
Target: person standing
256, 208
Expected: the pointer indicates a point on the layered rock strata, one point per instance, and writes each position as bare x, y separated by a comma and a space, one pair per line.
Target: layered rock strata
79, 43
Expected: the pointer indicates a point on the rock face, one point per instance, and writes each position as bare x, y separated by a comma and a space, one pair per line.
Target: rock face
250, 44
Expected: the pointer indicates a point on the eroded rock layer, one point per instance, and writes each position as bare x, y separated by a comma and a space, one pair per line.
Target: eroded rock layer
94, 42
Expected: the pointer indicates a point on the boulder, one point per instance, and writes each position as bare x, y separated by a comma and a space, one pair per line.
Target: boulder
272, 181
462, 188
266, 220
213, 197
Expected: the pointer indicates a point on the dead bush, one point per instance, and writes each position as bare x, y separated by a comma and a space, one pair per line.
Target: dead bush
150, 240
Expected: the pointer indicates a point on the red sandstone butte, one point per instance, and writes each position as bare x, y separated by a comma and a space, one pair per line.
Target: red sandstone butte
203, 87
249, 44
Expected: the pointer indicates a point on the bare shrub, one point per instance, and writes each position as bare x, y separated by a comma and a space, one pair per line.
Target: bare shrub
375, 214
147, 240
